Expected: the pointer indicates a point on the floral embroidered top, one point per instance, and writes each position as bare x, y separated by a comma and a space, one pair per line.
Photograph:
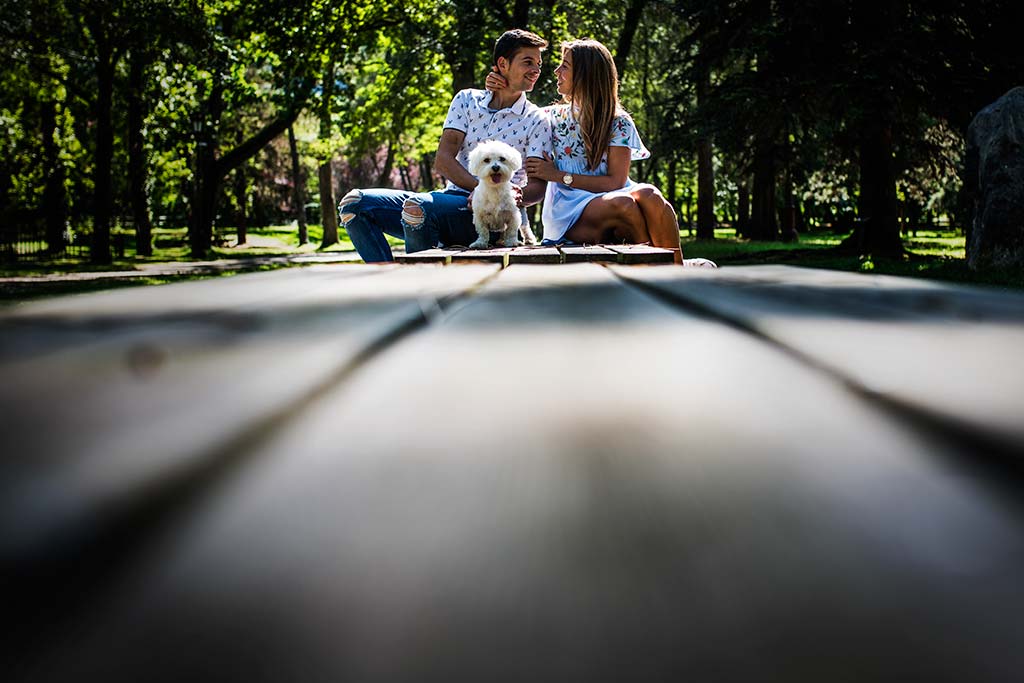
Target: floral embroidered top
567, 140
563, 204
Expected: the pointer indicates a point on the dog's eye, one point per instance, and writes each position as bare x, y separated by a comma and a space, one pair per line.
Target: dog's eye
501, 159
487, 160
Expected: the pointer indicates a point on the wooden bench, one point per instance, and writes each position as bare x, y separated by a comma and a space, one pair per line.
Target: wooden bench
573, 473
627, 254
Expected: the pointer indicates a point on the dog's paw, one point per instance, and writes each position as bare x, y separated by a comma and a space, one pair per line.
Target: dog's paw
480, 244
511, 242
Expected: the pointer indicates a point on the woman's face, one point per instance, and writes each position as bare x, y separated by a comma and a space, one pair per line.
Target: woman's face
564, 74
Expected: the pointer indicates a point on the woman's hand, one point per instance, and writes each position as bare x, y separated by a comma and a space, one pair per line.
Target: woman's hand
495, 82
544, 169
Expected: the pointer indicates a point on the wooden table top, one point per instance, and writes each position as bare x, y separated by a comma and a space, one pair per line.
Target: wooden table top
583, 472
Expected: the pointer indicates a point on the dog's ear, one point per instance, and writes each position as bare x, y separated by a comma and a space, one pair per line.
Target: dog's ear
474, 158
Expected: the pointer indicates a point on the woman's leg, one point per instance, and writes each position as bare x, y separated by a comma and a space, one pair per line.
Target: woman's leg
660, 217
612, 217
638, 215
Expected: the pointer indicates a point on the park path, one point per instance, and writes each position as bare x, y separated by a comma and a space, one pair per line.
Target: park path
571, 472
39, 283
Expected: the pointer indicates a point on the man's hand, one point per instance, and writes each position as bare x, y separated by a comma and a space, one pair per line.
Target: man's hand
469, 201
517, 192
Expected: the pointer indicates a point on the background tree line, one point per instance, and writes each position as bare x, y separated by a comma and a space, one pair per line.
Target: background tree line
775, 115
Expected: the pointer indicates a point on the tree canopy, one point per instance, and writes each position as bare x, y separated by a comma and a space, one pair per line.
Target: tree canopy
772, 114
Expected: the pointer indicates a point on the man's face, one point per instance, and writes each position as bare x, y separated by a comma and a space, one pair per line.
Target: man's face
524, 69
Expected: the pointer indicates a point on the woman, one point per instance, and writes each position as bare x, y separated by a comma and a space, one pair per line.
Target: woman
590, 198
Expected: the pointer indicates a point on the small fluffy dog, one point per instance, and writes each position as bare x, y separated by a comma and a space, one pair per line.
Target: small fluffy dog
494, 205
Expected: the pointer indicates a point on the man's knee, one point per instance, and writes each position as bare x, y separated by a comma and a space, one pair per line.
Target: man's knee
412, 212
348, 207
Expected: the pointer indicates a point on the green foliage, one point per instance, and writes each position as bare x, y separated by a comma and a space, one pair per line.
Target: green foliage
373, 81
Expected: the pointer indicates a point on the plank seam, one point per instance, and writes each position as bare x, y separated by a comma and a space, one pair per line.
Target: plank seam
82, 560
1001, 450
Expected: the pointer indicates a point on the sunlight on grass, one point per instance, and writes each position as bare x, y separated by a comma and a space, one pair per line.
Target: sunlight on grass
932, 254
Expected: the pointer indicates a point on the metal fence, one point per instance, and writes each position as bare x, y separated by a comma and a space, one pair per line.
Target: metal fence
23, 238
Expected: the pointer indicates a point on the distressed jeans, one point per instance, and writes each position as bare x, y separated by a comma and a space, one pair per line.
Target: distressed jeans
368, 215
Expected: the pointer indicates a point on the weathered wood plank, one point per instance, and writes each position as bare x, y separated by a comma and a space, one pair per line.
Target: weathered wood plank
427, 256
493, 255
534, 254
721, 512
631, 254
121, 394
948, 351
588, 253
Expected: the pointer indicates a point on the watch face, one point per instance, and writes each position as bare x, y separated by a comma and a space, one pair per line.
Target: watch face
567, 179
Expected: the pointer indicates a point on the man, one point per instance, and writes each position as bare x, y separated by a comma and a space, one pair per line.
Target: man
425, 220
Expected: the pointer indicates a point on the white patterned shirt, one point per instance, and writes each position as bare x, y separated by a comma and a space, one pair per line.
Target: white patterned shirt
524, 126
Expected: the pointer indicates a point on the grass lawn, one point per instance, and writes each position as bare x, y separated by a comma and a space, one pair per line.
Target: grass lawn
930, 254
171, 245
937, 255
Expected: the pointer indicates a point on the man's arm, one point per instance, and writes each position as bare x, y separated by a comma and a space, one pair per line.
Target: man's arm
533, 191
446, 164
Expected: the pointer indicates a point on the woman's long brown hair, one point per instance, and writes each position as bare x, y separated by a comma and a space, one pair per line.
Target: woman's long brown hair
594, 94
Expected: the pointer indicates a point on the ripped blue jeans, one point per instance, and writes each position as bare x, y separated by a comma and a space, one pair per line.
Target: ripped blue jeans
423, 219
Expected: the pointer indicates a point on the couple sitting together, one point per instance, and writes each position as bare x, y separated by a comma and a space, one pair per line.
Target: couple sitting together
577, 156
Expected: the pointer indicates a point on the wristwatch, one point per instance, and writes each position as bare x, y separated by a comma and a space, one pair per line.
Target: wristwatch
567, 179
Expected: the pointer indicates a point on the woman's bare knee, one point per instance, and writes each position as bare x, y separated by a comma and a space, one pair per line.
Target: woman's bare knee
622, 207
649, 195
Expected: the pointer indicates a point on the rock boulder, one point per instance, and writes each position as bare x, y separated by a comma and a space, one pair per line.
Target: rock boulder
994, 180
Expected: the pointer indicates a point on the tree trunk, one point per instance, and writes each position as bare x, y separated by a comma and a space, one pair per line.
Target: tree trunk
789, 216
764, 224
54, 194
688, 206
705, 169
877, 233
743, 209
877, 230
103, 184
461, 49
626, 35
705, 191
298, 188
325, 173
672, 184
384, 175
242, 201
211, 171
137, 168
204, 203
520, 14
427, 171
205, 182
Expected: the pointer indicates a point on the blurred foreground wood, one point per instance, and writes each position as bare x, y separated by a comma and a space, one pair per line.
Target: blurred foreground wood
582, 472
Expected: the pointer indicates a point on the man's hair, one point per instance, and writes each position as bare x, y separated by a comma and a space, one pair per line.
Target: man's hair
515, 40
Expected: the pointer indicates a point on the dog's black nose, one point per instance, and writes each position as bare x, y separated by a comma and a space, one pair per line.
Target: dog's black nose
495, 167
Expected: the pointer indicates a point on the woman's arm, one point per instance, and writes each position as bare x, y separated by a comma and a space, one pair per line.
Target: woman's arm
615, 179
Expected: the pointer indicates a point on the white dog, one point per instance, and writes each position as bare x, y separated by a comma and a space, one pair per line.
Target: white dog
494, 205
